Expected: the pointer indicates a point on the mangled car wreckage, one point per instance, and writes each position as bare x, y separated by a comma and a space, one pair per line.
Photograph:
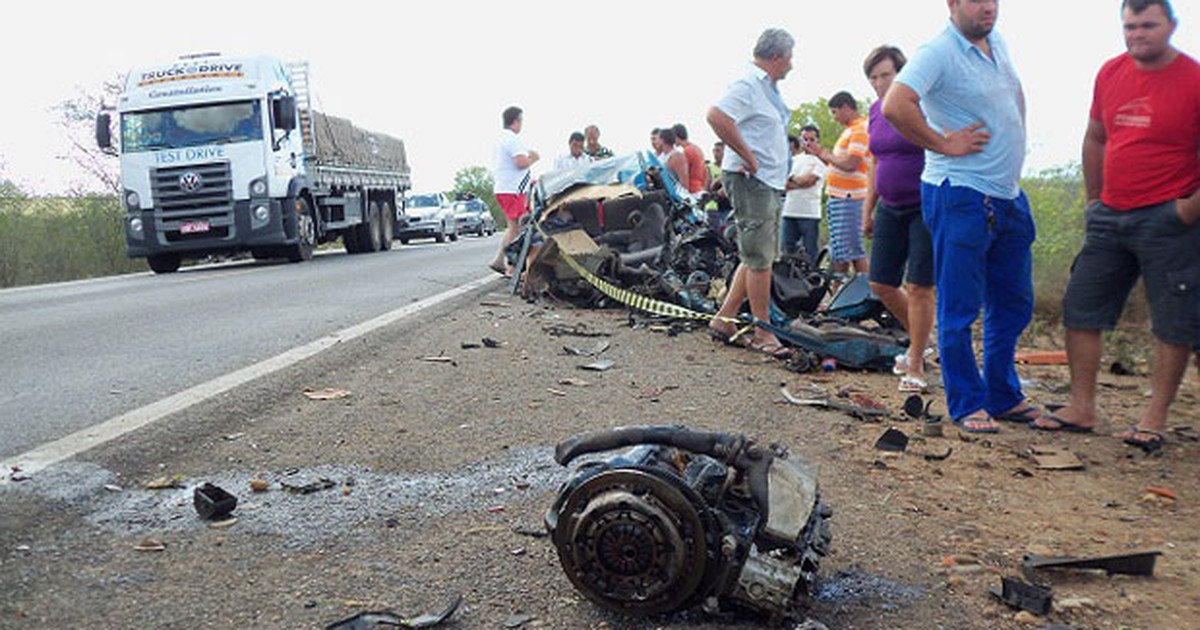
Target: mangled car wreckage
620, 222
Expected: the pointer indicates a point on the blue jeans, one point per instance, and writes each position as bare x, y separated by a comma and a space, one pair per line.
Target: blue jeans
796, 232
982, 259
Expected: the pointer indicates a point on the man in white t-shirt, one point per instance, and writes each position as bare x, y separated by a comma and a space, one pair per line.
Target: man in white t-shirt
512, 181
574, 155
802, 206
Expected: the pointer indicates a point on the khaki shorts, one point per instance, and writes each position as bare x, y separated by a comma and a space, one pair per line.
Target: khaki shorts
756, 209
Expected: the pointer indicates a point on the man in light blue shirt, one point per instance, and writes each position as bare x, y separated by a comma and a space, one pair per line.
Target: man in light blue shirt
751, 119
960, 99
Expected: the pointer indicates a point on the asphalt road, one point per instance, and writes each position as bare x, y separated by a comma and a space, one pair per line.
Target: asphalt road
77, 354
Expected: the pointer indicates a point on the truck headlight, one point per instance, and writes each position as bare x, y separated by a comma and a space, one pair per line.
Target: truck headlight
261, 213
135, 224
133, 201
258, 188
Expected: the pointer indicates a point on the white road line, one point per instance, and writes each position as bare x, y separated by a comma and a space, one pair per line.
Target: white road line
53, 452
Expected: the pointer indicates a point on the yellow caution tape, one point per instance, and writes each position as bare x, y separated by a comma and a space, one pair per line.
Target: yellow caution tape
631, 299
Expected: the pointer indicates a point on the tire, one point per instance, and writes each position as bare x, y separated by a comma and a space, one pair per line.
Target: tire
164, 263
370, 234
387, 226
441, 235
404, 240
454, 232
306, 232
262, 254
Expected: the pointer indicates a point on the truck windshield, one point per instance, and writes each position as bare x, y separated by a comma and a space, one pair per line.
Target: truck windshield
198, 125
423, 201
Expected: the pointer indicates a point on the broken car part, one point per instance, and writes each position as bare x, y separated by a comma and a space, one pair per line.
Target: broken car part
893, 440
682, 517
213, 502
1125, 564
387, 619
1036, 599
863, 413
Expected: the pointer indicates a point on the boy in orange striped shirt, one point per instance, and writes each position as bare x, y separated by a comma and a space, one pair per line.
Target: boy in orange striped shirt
846, 184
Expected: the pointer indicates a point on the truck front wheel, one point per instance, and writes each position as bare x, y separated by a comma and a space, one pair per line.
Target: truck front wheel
164, 263
306, 232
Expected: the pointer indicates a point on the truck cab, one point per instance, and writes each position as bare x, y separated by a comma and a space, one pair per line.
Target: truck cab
220, 155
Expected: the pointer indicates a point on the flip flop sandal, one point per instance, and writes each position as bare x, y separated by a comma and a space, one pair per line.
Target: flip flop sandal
961, 423
1024, 415
1153, 445
730, 339
770, 349
913, 385
1063, 425
900, 364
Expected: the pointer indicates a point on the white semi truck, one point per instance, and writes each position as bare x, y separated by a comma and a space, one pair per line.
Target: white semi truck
222, 155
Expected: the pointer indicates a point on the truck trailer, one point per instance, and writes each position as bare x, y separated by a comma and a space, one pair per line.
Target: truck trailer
221, 155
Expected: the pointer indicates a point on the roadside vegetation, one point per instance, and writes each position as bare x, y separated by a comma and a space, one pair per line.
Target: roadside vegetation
54, 239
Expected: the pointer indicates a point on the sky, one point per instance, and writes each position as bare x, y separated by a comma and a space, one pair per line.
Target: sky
438, 74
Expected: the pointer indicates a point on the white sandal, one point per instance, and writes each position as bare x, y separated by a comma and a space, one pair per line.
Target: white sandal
900, 364
913, 385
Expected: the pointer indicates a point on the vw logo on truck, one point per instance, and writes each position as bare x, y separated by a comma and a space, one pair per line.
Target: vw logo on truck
190, 181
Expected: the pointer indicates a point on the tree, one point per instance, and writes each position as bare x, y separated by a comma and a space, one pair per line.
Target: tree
817, 113
477, 182
77, 119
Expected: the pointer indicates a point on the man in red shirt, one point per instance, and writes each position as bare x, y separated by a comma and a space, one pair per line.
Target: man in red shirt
697, 171
1141, 167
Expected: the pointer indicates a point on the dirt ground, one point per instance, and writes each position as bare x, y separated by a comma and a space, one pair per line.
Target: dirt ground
440, 472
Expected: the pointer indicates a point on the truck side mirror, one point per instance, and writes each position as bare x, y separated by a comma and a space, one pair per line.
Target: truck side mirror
284, 113
104, 131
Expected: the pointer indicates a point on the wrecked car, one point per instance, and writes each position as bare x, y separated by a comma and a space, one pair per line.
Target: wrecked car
677, 518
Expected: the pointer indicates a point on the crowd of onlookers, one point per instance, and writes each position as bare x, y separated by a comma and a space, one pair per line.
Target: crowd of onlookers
931, 176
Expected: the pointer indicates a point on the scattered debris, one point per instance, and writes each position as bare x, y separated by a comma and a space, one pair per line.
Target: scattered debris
233, 436
938, 457
892, 440
440, 359
166, 483
654, 393
113, 487
469, 345
308, 488
488, 342
1125, 564
574, 382
150, 544
573, 330
495, 509
225, 524
556, 392
1165, 493
603, 365
594, 351
531, 532
259, 485
1049, 458
860, 412
1031, 597
212, 502
372, 620
495, 304
1120, 368
329, 393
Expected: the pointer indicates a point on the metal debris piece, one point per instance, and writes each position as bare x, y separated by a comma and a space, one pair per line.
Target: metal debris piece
308, 488
594, 351
574, 330
863, 413
150, 544
372, 620
575, 382
603, 365
1125, 564
469, 345
1036, 599
938, 457
440, 359
892, 440
488, 342
516, 621
329, 393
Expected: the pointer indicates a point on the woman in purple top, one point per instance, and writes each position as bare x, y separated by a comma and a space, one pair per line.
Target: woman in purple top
893, 211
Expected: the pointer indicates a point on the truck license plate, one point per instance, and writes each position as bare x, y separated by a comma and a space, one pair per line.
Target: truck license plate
193, 227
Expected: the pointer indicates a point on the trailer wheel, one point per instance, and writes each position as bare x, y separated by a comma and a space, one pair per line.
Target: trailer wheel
387, 226
306, 232
370, 236
164, 263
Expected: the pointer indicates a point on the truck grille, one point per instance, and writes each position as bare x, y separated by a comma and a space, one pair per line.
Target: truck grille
193, 192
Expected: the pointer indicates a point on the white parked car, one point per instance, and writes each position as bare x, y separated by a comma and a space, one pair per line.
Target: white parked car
427, 216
